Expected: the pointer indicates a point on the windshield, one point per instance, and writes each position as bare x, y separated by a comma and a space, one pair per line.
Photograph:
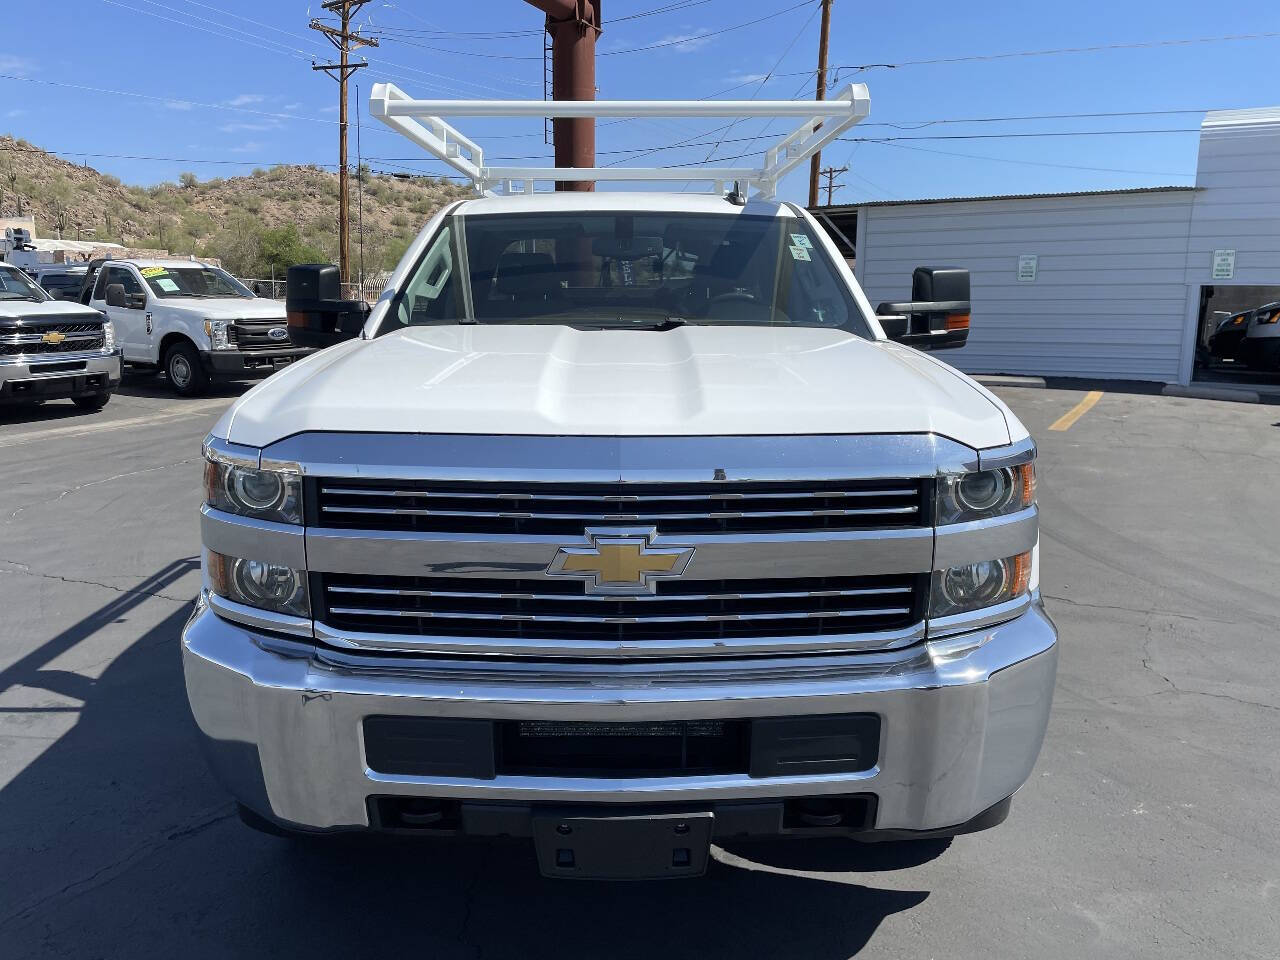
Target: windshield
62, 281
16, 285
620, 270
204, 282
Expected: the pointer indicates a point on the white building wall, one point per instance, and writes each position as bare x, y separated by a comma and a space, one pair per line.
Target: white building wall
1236, 206
1109, 299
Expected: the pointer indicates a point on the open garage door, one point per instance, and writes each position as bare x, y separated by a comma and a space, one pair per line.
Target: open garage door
1238, 336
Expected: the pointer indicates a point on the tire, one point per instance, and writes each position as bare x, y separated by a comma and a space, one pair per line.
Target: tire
93, 402
182, 366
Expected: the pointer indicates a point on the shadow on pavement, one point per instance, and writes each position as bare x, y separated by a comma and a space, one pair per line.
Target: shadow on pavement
117, 842
134, 384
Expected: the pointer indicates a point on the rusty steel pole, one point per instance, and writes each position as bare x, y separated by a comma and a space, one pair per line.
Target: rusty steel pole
574, 26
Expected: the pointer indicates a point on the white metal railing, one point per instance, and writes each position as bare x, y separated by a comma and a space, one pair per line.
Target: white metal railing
422, 122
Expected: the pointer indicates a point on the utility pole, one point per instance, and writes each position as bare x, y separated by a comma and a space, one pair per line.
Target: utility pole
815, 164
573, 26
831, 173
345, 41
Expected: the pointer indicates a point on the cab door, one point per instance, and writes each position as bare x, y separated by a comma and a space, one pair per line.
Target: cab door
132, 323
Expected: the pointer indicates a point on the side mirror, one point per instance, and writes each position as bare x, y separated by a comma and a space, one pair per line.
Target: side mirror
135, 301
115, 295
937, 315
317, 314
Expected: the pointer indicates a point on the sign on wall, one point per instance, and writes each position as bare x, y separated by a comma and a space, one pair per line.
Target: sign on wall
1224, 264
1028, 263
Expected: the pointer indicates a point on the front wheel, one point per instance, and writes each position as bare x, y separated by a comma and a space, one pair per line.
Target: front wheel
93, 402
182, 367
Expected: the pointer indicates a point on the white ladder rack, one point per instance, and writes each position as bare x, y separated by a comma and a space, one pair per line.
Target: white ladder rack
422, 122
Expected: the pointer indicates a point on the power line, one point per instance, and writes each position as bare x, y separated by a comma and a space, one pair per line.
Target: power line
1016, 136
976, 136
433, 33
303, 54
765, 79
1034, 163
708, 35
207, 161
276, 47
979, 58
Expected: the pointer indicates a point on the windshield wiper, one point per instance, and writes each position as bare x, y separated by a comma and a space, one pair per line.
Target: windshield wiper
666, 323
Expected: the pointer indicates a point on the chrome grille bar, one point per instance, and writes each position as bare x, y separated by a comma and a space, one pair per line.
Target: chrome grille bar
623, 517
680, 613
617, 498
641, 598
674, 508
562, 618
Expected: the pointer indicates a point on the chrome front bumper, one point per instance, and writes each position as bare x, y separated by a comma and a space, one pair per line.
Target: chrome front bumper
40, 373
962, 720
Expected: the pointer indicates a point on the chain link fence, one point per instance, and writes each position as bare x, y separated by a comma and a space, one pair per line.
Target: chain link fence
369, 290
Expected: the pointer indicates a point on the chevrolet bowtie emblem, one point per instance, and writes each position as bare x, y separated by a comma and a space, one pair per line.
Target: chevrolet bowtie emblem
54, 337
620, 562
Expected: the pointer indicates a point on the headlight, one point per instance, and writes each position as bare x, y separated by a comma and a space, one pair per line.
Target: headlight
257, 583
261, 494
986, 493
976, 585
217, 331
108, 334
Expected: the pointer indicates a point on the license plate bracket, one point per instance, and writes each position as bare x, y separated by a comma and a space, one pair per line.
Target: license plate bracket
631, 846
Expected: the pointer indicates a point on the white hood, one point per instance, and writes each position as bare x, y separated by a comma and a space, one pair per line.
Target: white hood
555, 380
47, 310
223, 308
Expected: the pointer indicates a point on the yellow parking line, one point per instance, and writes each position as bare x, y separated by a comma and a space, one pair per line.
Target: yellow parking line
1068, 419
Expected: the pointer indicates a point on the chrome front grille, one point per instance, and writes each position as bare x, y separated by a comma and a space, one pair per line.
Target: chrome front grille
537, 609
27, 338
556, 510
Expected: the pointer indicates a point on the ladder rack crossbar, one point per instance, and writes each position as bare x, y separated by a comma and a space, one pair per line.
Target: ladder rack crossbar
421, 121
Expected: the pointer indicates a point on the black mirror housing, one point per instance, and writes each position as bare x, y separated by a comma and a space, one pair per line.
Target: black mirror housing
317, 314
937, 315
115, 295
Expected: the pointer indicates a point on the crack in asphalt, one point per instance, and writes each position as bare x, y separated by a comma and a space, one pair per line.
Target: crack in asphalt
96, 483
110, 871
26, 571
1150, 613
1146, 659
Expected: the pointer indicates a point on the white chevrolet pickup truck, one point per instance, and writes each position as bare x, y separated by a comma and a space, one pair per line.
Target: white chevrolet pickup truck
51, 349
625, 526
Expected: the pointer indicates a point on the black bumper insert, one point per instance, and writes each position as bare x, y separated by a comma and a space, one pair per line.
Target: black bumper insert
483, 749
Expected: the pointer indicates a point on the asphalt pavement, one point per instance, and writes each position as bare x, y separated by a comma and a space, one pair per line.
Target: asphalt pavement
1148, 829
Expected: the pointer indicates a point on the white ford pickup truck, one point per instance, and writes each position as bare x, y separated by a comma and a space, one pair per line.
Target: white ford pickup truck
192, 320
624, 526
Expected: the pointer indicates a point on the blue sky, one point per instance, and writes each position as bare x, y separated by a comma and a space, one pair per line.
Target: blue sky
230, 81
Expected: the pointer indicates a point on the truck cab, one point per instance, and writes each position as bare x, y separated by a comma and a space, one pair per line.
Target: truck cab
192, 320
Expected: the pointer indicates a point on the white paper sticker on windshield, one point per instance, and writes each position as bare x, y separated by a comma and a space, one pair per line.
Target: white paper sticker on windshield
800, 240
799, 253
167, 285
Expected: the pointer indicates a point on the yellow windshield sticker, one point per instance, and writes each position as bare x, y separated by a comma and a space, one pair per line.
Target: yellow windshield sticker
154, 271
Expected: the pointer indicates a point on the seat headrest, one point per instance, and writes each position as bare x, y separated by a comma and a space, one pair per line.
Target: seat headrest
526, 274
